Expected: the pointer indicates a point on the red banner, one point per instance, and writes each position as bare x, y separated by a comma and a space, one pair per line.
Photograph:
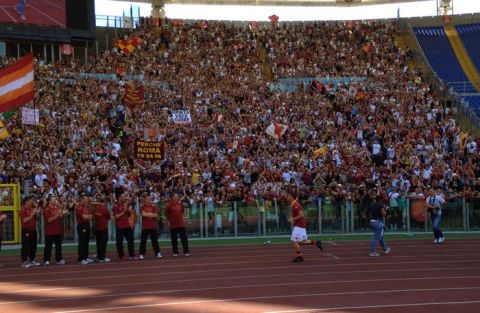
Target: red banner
134, 96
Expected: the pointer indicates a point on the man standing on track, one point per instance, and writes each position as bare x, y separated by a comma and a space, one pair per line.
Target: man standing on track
122, 211
149, 228
102, 216
84, 216
378, 211
53, 215
2, 218
434, 204
28, 217
299, 233
174, 213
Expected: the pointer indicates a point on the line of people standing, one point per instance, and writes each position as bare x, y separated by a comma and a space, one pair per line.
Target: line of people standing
90, 213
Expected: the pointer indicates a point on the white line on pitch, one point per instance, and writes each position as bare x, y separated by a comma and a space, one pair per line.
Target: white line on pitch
100, 268
400, 305
279, 297
158, 292
335, 257
229, 278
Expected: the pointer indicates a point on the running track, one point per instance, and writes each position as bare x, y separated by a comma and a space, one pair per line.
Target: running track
41, 12
416, 277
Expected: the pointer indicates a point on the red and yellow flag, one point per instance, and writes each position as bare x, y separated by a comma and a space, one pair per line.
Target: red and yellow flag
128, 45
17, 84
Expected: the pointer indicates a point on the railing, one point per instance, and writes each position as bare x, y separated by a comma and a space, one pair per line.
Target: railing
264, 217
117, 21
462, 88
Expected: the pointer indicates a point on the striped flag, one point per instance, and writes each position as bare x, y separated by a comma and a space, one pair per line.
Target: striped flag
17, 84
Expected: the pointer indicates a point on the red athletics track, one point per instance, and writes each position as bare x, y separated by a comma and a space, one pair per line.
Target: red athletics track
41, 12
416, 277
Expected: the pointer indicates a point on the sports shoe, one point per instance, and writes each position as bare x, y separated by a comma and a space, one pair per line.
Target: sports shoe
133, 258
373, 254
83, 262
46, 263
61, 262
187, 254
298, 259
35, 263
89, 260
319, 245
106, 260
26, 264
441, 239
159, 255
435, 241
141, 257
387, 251
22, 16
175, 255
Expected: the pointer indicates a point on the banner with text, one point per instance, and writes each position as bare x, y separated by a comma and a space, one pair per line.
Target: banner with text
148, 150
30, 116
181, 117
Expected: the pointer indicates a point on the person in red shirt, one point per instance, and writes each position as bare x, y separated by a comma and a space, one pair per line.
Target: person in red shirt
122, 211
53, 215
102, 216
2, 218
299, 233
149, 228
83, 216
174, 213
28, 217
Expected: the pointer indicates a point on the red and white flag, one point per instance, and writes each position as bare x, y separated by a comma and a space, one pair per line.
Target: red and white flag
274, 19
66, 49
276, 130
17, 84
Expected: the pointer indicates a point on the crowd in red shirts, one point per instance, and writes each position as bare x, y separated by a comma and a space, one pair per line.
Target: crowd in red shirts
390, 131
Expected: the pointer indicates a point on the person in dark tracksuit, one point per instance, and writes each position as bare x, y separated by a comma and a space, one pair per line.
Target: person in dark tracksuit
84, 216
29, 214
102, 216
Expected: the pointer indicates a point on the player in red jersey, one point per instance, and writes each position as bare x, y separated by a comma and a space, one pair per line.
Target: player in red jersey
299, 233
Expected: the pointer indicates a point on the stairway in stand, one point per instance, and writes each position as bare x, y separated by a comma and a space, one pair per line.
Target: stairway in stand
463, 57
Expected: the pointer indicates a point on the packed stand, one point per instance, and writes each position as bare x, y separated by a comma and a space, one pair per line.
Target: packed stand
387, 135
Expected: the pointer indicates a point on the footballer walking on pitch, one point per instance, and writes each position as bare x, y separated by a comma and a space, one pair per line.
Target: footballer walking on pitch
299, 233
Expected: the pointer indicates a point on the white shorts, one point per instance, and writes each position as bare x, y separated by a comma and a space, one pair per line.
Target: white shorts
299, 234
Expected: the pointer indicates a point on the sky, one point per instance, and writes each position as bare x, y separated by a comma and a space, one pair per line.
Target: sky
286, 13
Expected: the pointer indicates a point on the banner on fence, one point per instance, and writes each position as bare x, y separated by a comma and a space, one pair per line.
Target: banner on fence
181, 117
147, 150
30, 116
418, 210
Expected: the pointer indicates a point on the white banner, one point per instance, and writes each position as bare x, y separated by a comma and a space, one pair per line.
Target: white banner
181, 117
30, 116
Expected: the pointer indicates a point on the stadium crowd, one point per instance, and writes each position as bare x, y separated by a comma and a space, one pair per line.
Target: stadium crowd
387, 135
